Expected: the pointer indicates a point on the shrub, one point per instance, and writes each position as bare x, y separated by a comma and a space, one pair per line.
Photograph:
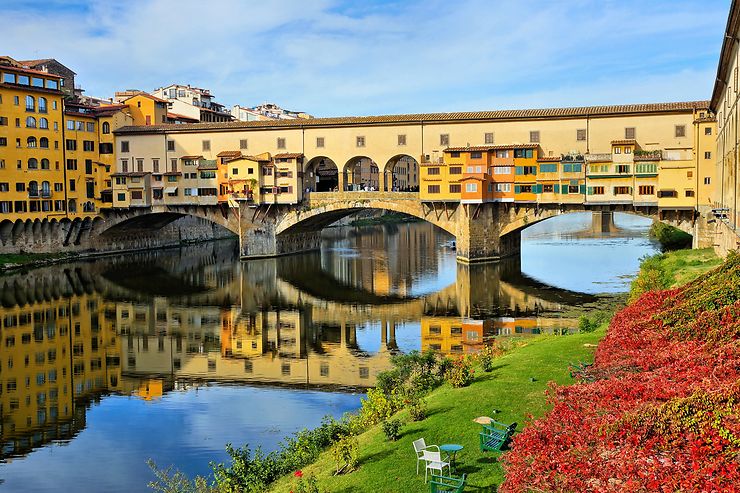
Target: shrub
461, 372
488, 353
670, 238
305, 484
247, 472
378, 407
177, 482
392, 429
418, 410
345, 453
591, 323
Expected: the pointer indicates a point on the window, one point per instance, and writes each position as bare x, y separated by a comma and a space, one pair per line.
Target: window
360, 141
105, 148
433, 188
476, 155
581, 134
623, 168
242, 143
206, 145
80, 126
139, 164
628, 150
70, 124
534, 136
30, 103
617, 150
622, 190
432, 171
548, 168
547, 188
471, 187
502, 170
503, 187
3, 121
33, 164
455, 188
155, 165
689, 193
281, 143
707, 180
88, 145
708, 131
31, 142
319, 142
43, 123
689, 174
444, 139
71, 145
72, 187
597, 190
523, 153
488, 138
124, 165
121, 197
30, 122
90, 126
707, 155
106, 127
646, 190
402, 139
3, 141
643, 168
170, 145
629, 133
124, 146
136, 195
455, 170
680, 131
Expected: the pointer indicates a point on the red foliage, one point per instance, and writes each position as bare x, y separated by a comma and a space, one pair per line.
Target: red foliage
659, 410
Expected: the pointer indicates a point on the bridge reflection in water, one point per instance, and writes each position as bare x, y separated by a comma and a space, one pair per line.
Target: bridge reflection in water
149, 323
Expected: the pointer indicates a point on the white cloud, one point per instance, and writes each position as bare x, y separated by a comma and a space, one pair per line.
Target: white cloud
330, 57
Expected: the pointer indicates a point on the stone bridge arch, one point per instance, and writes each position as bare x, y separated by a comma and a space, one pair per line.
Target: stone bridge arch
155, 218
326, 208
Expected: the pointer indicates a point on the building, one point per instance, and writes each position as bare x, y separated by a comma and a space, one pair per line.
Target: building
193, 103
54, 67
33, 178
724, 104
244, 114
271, 111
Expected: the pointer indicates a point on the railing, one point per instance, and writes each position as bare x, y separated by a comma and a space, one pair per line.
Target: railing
604, 156
33, 194
648, 155
45, 194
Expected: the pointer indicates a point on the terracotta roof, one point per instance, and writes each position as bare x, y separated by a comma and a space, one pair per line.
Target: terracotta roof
178, 116
131, 173
575, 112
172, 173
549, 159
624, 142
491, 147
191, 158
706, 119
208, 166
31, 71
231, 154
288, 155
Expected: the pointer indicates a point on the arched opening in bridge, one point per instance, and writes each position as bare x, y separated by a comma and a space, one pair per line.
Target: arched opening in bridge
401, 174
321, 175
362, 173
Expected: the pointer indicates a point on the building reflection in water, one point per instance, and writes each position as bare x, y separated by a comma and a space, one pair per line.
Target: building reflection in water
157, 322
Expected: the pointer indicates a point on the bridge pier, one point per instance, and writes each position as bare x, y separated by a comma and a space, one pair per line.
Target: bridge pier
479, 235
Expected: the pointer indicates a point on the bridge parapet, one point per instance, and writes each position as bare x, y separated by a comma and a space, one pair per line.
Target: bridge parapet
322, 199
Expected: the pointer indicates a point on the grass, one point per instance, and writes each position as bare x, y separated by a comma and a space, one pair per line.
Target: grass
668, 270
28, 258
391, 466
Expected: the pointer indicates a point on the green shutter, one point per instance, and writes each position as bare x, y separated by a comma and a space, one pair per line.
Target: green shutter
583, 188
556, 188
590, 190
517, 188
519, 170
564, 190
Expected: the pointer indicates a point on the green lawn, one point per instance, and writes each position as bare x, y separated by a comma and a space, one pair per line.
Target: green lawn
390, 466
684, 266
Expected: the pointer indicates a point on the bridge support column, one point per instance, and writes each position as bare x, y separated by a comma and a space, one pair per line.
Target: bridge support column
602, 222
479, 233
257, 236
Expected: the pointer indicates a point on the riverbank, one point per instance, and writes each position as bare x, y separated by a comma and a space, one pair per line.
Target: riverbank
515, 388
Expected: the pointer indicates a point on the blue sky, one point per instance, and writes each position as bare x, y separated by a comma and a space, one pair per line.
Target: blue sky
333, 57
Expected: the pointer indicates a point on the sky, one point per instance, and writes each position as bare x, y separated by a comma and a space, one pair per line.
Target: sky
370, 57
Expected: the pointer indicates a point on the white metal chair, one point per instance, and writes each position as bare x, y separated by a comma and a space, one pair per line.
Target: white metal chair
435, 463
419, 447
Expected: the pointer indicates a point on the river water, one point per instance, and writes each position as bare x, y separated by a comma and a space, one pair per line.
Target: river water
170, 355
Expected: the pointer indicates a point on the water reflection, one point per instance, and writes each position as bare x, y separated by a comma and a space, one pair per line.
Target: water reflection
171, 323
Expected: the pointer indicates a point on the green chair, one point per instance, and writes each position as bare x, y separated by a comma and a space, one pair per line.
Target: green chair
495, 435
446, 484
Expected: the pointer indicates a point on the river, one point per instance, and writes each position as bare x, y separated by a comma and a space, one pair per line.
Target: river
171, 354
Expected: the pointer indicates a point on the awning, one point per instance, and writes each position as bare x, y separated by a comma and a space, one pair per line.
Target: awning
170, 190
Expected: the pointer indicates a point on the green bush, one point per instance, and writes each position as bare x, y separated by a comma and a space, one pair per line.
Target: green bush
346, 453
590, 323
651, 277
418, 410
670, 238
461, 372
177, 482
378, 407
392, 429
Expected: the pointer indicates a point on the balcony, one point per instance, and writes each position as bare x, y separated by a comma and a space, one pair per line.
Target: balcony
34, 194
640, 155
602, 157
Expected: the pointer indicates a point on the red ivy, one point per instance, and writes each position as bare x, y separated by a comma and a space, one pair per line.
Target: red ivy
658, 411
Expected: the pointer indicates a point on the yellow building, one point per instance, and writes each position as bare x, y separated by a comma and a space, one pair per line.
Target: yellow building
32, 174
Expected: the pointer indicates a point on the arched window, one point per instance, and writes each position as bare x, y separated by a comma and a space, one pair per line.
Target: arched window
106, 127
31, 141
44, 143
33, 163
45, 189
43, 123
31, 122
72, 206
33, 189
44, 164
42, 105
30, 103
